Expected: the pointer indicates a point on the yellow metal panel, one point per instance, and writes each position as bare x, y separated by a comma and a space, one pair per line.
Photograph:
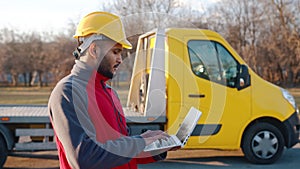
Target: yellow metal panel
231, 108
268, 100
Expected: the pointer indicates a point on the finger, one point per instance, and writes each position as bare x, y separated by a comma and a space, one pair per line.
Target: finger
162, 136
159, 132
165, 134
151, 133
146, 134
154, 132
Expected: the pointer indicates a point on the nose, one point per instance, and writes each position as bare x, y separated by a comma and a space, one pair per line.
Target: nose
119, 58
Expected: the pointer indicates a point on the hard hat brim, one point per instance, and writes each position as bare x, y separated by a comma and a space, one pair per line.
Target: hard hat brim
126, 44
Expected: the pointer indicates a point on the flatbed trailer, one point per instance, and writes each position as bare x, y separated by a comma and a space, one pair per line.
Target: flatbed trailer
28, 128
24, 128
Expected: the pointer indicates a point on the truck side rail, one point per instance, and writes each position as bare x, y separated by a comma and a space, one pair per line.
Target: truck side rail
45, 144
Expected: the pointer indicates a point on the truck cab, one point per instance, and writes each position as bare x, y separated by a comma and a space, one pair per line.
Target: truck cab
177, 68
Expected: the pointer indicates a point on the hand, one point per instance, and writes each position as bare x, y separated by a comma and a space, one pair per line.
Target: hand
151, 136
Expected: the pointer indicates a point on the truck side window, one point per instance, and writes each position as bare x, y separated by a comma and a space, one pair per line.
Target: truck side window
211, 61
204, 61
197, 65
228, 66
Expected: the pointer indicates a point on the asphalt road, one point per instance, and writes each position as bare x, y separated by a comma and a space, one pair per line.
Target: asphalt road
289, 160
181, 159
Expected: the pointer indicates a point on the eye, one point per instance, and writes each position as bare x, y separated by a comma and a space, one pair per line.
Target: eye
117, 51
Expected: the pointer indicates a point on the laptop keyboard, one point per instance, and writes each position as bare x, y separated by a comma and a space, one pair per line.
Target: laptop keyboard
168, 142
161, 143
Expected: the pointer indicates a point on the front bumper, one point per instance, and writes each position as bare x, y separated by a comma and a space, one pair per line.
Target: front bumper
292, 125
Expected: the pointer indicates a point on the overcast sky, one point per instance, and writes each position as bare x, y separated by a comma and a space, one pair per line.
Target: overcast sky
52, 15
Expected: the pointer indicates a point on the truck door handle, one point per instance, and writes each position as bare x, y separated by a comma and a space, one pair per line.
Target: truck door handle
197, 95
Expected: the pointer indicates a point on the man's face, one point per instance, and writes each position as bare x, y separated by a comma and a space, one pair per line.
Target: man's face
111, 60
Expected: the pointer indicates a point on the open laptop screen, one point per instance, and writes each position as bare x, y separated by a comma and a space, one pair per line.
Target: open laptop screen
187, 125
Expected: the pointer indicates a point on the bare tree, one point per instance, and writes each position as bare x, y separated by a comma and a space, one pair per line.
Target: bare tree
28, 55
140, 16
264, 33
281, 41
240, 22
59, 56
144, 15
10, 53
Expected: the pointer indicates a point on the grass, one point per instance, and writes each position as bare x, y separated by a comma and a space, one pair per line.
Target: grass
40, 95
24, 95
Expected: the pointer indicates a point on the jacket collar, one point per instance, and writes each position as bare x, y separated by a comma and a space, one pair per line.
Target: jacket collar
84, 72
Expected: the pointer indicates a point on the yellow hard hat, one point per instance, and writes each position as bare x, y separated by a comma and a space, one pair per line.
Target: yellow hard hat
103, 23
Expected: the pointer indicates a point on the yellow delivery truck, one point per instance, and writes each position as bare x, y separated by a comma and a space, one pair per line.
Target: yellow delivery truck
177, 68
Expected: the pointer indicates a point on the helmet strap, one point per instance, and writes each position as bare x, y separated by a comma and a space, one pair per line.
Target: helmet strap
86, 41
77, 53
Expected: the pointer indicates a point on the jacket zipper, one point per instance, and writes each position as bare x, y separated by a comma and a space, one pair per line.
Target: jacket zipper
117, 113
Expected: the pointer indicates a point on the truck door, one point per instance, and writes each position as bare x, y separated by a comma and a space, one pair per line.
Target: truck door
210, 83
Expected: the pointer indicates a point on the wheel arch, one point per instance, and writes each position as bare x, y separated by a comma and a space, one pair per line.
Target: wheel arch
273, 121
7, 135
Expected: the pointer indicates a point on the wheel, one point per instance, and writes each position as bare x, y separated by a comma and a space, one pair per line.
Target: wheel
3, 151
263, 143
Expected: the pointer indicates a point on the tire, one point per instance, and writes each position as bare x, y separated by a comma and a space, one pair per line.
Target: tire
263, 143
3, 151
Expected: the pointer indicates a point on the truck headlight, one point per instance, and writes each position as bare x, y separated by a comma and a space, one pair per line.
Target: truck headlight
289, 98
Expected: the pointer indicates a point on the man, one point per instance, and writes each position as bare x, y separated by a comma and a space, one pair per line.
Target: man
86, 113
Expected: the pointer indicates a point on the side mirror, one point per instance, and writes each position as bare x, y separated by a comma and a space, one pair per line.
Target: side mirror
243, 79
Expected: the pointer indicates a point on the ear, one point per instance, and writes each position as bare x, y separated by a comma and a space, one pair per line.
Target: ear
93, 50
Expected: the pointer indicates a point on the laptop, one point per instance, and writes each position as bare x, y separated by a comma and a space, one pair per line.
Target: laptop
183, 133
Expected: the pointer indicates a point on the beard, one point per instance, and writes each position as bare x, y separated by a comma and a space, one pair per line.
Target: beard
104, 68
105, 72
